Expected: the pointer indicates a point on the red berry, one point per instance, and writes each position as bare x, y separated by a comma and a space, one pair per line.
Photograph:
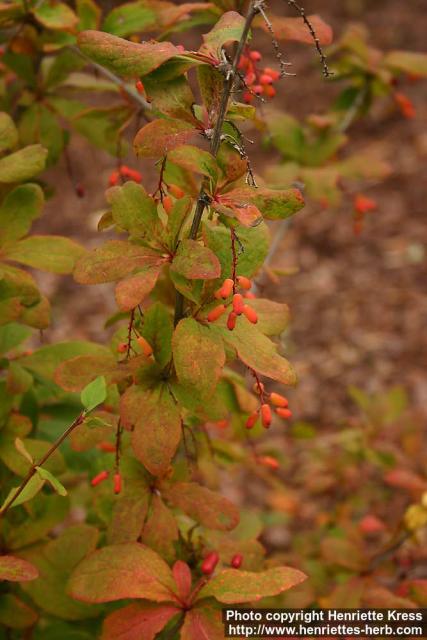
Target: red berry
405, 105
249, 295
107, 447
80, 191
250, 78
238, 304
272, 73
266, 415
103, 475
167, 204
122, 347
114, 178
255, 56
117, 483
268, 461
231, 320
139, 87
145, 346
371, 524
209, 563
226, 290
250, 314
257, 89
269, 91
284, 413
176, 191
278, 400
251, 421
243, 63
236, 561
362, 204
266, 79
221, 424
216, 313
248, 98
244, 282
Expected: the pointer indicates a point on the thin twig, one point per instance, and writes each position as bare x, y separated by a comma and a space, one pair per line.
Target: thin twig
229, 79
276, 46
40, 463
326, 72
133, 93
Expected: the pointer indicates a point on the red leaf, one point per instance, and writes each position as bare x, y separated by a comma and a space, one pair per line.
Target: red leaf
137, 621
405, 479
135, 288
160, 136
296, 29
203, 505
182, 574
16, 569
203, 623
195, 261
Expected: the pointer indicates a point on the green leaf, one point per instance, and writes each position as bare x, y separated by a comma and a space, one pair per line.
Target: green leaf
8, 133
23, 164
157, 430
134, 289
256, 350
135, 211
407, 61
158, 329
15, 614
39, 125
94, 393
54, 482
112, 261
20, 207
11, 336
159, 137
89, 14
198, 355
173, 98
55, 560
28, 493
138, 620
160, 530
228, 29
56, 16
76, 373
48, 253
47, 512
128, 517
233, 586
273, 317
206, 507
195, 261
129, 59
47, 359
17, 570
273, 204
130, 18
122, 571
194, 159
255, 240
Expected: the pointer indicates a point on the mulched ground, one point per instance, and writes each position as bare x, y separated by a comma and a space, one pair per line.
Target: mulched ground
358, 304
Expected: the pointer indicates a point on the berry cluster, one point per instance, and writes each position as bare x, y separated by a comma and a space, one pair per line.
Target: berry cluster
124, 173
212, 558
103, 475
279, 402
228, 290
258, 81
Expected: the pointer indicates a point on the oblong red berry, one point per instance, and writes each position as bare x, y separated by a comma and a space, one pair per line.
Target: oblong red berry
255, 56
226, 289
250, 314
209, 563
268, 461
265, 78
269, 91
272, 73
244, 282
238, 304
117, 483
216, 312
176, 191
278, 400
167, 204
122, 347
145, 346
251, 421
258, 89
266, 415
231, 320
284, 413
139, 87
103, 475
236, 561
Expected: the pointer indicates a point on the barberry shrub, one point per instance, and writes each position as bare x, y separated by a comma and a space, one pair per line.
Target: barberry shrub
130, 508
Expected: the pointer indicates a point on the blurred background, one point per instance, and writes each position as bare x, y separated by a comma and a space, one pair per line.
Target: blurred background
358, 302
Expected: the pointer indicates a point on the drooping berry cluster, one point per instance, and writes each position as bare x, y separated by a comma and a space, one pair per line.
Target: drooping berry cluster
267, 400
124, 173
228, 292
259, 82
